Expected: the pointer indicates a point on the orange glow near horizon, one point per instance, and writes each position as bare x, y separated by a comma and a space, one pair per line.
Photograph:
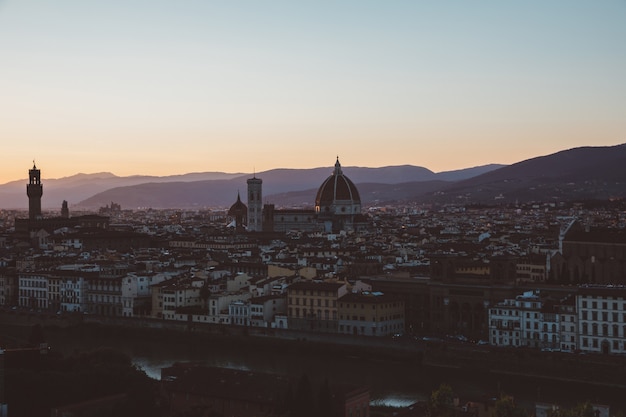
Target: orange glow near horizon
185, 86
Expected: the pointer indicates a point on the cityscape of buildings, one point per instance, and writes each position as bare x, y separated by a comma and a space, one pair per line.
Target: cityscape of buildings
548, 276
545, 276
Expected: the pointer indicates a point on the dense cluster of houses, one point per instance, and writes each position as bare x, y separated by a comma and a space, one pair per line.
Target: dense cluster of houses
415, 270
281, 298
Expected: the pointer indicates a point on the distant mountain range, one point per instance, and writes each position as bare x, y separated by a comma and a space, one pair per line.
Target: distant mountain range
580, 173
303, 183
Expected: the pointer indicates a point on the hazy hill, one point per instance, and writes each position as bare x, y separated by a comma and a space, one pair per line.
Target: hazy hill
579, 173
300, 184
82, 186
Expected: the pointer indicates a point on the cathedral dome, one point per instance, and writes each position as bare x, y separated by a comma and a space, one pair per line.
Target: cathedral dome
238, 209
238, 215
337, 195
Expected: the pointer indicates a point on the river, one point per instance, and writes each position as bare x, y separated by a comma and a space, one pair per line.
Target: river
393, 383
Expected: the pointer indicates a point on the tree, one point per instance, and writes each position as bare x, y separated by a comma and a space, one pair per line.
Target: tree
58, 381
441, 402
579, 410
505, 407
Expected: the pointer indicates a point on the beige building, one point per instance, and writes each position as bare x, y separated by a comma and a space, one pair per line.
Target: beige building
312, 306
370, 314
531, 269
175, 294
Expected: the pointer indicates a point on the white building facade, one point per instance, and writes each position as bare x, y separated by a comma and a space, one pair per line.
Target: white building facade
602, 320
73, 292
33, 291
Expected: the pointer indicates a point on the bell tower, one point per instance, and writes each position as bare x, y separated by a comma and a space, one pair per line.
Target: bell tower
34, 190
255, 204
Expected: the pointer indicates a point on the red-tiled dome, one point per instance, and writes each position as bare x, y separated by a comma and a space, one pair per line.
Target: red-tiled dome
337, 189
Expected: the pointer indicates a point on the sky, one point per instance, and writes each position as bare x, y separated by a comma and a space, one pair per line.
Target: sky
170, 87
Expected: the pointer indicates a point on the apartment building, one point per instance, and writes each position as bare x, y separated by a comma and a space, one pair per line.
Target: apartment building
239, 313
505, 323
568, 323
590, 319
602, 319
217, 310
263, 310
524, 321
531, 269
370, 314
73, 294
54, 291
105, 295
313, 305
33, 290
8, 287
178, 294
137, 294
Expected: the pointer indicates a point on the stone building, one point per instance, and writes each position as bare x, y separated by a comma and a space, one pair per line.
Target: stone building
595, 257
313, 305
370, 314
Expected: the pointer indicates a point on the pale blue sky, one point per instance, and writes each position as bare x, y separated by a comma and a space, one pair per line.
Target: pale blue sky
167, 87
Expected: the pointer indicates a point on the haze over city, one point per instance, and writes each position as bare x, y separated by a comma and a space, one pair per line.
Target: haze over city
161, 88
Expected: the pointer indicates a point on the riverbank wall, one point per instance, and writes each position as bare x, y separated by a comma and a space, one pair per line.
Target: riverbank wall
481, 360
